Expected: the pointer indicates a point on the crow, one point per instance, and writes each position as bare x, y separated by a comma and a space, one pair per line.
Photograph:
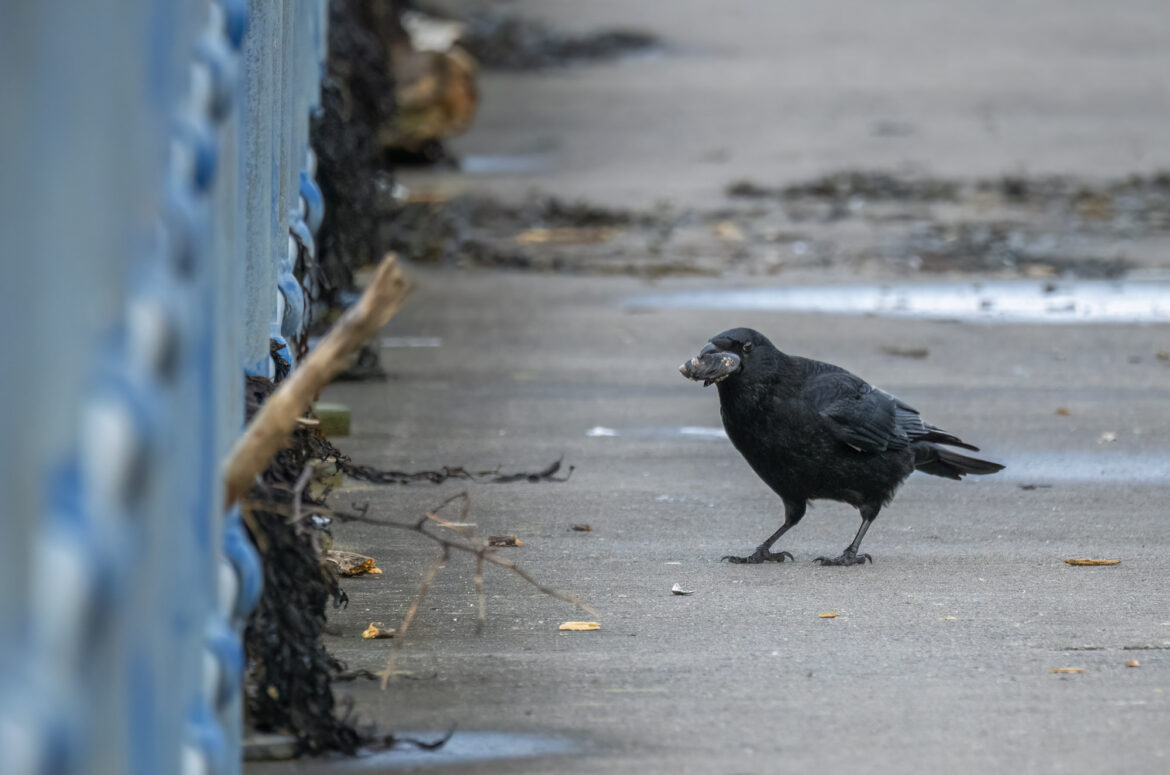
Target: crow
812, 430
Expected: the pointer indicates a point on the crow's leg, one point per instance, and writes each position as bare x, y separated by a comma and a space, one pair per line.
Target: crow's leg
793, 512
850, 556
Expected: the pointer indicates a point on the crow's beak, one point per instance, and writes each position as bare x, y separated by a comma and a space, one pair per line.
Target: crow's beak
711, 365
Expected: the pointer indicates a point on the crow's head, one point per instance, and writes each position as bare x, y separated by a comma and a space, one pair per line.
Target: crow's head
726, 355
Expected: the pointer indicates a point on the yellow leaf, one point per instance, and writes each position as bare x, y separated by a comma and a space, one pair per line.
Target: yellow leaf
1133, 663
828, 615
728, 231
377, 630
580, 626
566, 235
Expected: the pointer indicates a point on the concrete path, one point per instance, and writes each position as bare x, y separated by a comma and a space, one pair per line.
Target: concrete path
941, 653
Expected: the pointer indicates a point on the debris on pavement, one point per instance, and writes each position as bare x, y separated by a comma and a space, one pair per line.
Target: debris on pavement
334, 418
1108, 437
504, 541
351, 563
1067, 670
435, 90
1063, 411
492, 476
581, 528
565, 235
828, 615
678, 590
897, 351
580, 626
1035, 486
1092, 562
728, 231
1133, 663
377, 630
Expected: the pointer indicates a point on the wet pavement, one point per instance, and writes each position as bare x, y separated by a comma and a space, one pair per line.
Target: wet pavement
941, 652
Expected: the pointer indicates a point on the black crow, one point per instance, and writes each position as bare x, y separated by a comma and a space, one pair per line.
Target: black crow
812, 430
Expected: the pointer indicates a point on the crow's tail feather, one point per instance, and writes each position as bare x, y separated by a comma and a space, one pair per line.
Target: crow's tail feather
938, 461
939, 436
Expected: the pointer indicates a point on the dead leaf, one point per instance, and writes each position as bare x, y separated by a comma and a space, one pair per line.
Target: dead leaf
580, 626
1067, 670
828, 615
727, 230
1039, 271
1063, 411
375, 571
906, 352
567, 235
678, 590
1092, 562
581, 528
1133, 663
378, 630
504, 541
351, 563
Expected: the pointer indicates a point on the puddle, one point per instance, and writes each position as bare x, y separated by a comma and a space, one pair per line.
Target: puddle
464, 748
686, 431
505, 164
992, 302
1087, 467
1036, 468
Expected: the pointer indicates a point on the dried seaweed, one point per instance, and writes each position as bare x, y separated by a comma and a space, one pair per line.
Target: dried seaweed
289, 688
357, 98
492, 476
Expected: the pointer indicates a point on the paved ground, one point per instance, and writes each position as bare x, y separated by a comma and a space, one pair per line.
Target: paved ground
940, 656
778, 91
744, 676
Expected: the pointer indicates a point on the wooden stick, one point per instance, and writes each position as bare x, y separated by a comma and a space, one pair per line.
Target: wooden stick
270, 428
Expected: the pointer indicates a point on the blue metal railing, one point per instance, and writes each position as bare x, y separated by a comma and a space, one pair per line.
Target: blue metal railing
157, 195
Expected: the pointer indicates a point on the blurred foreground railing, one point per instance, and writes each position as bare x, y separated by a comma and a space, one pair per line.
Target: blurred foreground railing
157, 194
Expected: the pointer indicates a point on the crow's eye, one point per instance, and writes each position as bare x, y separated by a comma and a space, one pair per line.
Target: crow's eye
747, 347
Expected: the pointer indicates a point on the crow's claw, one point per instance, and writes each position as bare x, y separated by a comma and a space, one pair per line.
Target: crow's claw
846, 558
760, 555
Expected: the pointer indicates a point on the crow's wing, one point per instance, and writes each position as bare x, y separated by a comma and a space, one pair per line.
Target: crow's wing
869, 419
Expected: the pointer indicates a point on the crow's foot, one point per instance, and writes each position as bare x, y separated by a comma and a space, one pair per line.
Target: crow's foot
847, 558
758, 556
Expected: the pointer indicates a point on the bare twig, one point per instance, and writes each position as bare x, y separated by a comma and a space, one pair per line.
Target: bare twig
277, 416
480, 597
423, 588
482, 551
479, 549
298, 490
